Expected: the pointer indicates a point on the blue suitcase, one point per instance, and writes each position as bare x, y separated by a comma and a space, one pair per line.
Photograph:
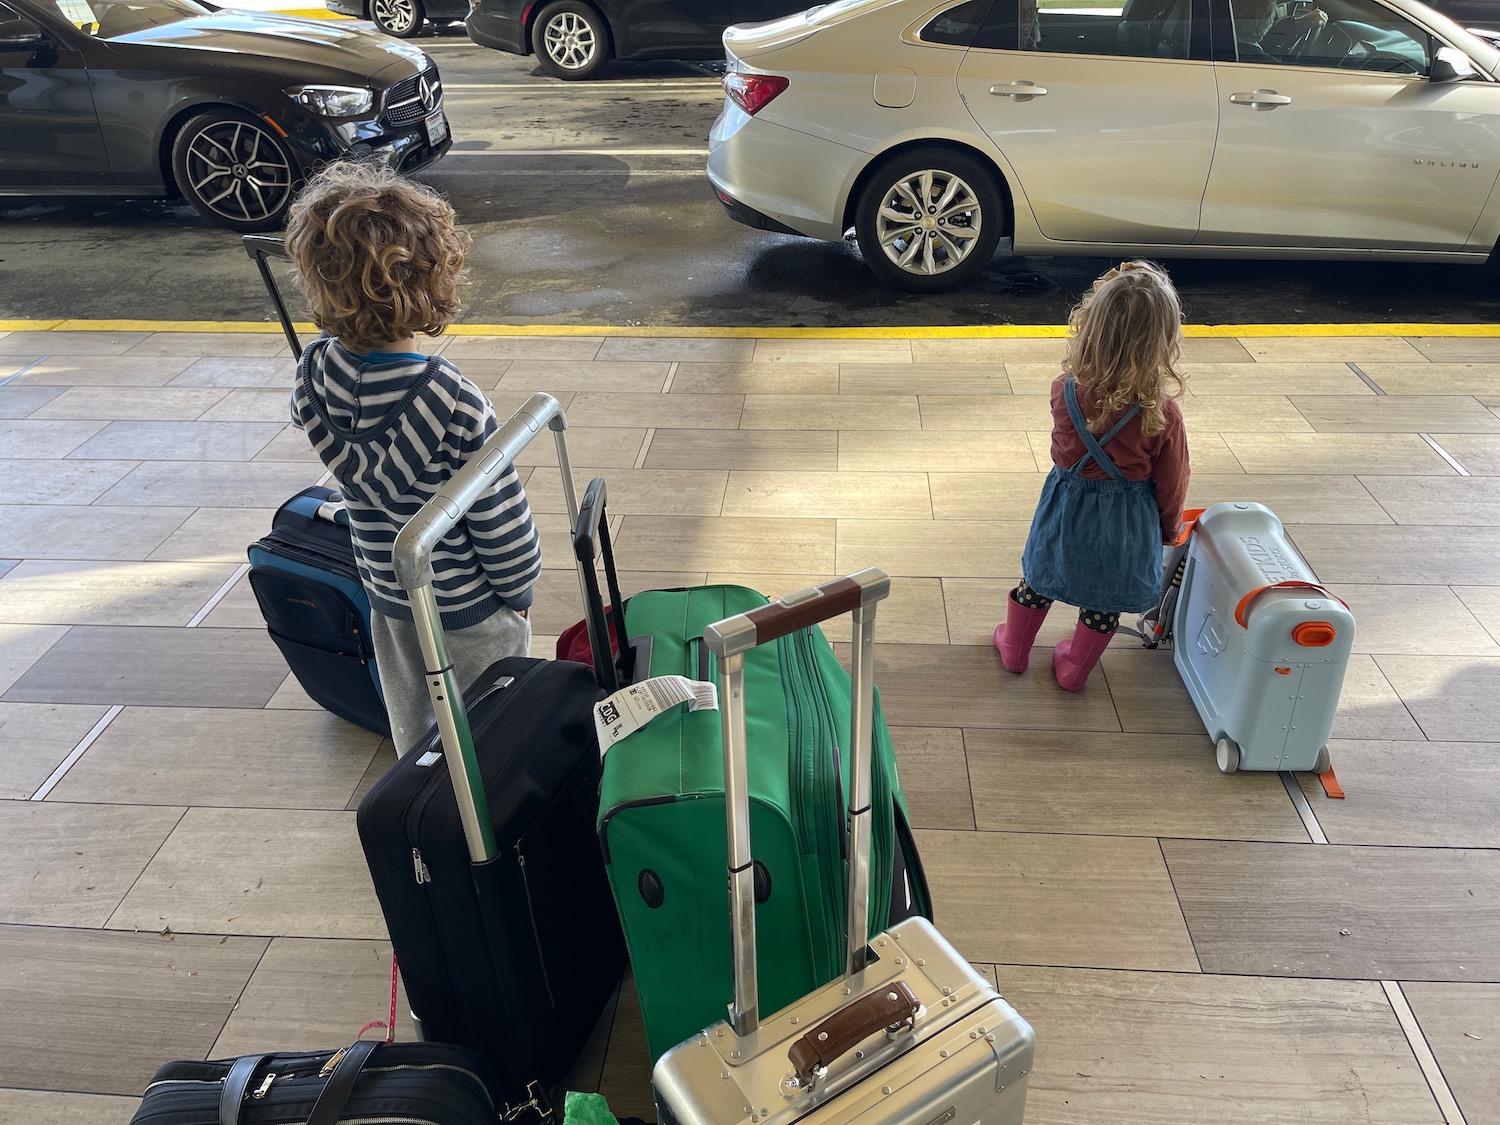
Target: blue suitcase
316, 610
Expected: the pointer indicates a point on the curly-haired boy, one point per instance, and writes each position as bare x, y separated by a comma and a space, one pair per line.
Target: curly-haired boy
380, 259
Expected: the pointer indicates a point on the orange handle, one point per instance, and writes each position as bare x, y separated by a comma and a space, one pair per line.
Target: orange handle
1239, 610
1189, 519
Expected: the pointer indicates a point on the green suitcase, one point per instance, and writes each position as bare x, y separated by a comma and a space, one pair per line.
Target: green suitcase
662, 817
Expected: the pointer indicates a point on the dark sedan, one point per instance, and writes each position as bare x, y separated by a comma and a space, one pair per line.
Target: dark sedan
232, 110
575, 39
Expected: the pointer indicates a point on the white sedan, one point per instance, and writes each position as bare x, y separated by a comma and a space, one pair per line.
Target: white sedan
1327, 129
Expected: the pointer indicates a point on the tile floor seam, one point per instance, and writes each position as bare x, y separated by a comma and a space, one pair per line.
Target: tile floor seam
645, 448
240, 995
1401, 699
963, 743
1369, 382
1181, 910
144, 868
1421, 1049
666, 385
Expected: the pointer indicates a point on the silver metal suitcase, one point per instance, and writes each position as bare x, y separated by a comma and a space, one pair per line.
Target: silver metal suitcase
911, 1035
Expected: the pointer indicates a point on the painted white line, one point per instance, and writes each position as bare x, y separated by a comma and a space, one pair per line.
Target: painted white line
1445, 455
1441, 1092
78, 751
582, 173
1304, 810
577, 152
218, 596
640, 457
707, 84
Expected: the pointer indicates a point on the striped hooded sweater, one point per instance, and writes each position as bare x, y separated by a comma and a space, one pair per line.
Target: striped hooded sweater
393, 431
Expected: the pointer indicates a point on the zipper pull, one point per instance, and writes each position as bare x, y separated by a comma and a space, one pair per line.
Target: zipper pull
333, 1061
420, 868
264, 1088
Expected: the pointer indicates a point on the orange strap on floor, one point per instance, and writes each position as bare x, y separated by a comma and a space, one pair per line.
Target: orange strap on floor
1331, 786
1239, 610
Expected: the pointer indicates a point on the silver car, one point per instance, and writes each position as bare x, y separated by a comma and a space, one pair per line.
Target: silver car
1211, 128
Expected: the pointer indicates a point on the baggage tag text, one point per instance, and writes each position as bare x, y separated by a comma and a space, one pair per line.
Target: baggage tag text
631, 708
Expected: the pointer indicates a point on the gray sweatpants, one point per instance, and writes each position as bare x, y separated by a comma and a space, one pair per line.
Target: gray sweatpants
403, 679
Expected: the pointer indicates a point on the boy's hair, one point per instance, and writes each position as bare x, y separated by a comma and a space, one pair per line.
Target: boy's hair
1124, 344
378, 258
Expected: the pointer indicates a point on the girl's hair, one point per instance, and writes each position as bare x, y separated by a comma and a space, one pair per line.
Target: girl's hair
378, 257
1124, 344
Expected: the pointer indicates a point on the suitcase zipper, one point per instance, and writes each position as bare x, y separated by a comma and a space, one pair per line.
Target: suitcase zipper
429, 788
531, 916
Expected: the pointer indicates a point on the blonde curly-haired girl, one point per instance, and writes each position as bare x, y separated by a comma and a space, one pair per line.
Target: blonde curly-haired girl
1096, 538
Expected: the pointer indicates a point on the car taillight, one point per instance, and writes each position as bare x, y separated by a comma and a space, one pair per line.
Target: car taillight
752, 92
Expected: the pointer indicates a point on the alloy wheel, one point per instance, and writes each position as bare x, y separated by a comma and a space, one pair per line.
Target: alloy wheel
238, 171
571, 41
394, 16
929, 222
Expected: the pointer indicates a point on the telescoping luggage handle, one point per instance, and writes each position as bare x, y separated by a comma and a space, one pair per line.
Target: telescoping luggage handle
412, 561
263, 246
729, 640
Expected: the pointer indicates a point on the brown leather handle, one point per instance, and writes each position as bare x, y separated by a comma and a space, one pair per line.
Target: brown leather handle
887, 1006
839, 595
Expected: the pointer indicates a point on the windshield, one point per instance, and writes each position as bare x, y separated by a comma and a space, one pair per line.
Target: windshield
108, 19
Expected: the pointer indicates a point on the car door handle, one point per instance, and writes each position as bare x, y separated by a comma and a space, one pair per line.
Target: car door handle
1021, 91
1262, 100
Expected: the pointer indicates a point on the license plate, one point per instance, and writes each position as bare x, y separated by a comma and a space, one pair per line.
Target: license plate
437, 128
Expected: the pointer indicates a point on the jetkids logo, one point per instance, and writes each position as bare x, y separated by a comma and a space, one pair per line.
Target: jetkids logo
1271, 560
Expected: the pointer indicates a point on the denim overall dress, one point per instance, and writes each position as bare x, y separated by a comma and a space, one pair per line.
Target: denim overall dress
1095, 544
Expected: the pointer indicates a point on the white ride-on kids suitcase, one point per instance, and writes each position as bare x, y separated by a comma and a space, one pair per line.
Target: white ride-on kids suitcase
1261, 646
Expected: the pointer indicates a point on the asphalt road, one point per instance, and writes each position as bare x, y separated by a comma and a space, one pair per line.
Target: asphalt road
588, 205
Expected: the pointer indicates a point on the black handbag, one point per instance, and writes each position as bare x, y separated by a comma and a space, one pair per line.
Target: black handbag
368, 1081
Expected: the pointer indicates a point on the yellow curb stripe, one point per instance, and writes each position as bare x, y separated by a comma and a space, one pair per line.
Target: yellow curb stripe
944, 332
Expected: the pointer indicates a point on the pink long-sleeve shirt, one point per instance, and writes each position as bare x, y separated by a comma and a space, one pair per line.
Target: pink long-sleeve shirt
1163, 458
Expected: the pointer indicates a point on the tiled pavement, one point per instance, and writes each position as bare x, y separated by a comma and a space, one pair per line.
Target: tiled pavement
182, 876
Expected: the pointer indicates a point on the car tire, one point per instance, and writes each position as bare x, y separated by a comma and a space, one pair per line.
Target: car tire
571, 40
959, 242
400, 18
235, 170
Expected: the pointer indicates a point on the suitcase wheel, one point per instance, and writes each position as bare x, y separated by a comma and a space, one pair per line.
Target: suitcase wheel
1324, 762
1228, 754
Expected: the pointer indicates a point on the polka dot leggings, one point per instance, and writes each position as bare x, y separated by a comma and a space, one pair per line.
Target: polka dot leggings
1095, 619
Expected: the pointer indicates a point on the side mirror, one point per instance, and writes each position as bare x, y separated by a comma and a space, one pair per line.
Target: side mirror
19, 34
1450, 65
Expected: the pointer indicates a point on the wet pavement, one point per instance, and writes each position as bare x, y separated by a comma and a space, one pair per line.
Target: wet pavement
588, 205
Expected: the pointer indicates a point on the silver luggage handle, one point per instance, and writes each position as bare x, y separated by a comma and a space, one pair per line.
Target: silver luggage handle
729, 640
412, 561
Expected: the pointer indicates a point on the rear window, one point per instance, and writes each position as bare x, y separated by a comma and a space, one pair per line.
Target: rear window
957, 27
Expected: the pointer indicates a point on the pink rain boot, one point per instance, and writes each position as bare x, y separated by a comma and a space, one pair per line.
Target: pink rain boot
1014, 635
1074, 659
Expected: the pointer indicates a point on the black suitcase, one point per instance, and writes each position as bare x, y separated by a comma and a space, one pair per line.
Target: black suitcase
413, 1083
481, 842
316, 610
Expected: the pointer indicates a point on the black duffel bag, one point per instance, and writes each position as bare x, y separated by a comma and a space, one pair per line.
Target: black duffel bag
430, 1083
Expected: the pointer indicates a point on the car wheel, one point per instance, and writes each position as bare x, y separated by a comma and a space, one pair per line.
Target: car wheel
401, 18
571, 40
234, 170
929, 219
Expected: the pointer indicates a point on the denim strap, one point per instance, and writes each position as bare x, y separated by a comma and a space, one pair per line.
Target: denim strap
1094, 445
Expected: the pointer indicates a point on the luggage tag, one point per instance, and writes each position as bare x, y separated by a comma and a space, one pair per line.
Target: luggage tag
631, 708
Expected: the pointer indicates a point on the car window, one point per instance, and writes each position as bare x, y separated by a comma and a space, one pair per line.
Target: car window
106, 19
1349, 34
1155, 29
957, 27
